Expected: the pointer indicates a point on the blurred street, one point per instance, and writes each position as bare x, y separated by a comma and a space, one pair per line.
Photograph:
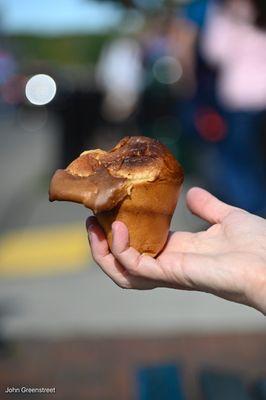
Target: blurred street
62, 292
81, 74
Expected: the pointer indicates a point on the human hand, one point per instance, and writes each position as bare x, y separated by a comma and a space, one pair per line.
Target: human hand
228, 259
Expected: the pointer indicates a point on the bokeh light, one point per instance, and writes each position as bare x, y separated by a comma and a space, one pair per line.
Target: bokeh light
210, 125
40, 89
167, 70
33, 119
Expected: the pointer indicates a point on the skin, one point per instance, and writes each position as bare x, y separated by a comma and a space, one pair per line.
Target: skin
227, 260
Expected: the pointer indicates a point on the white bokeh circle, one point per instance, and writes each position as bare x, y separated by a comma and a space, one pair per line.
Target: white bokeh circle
40, 89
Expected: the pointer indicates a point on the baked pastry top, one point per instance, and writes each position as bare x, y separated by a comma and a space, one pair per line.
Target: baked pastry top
102, 179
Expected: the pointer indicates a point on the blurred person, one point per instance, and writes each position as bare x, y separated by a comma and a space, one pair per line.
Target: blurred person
228, 108
119, 74
227, 260
7, 66
8, 69
162, 76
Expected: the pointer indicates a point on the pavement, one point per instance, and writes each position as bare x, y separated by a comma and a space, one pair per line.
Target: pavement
49, 285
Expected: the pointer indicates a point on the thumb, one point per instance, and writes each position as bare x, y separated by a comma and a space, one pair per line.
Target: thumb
206, 206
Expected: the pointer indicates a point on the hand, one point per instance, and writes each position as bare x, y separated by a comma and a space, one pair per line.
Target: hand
228, 259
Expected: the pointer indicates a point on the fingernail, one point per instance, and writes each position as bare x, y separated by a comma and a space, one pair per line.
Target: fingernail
91, 234
90, 227
89, 230
114, 226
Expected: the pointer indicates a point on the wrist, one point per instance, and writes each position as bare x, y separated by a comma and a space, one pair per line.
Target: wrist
258, 290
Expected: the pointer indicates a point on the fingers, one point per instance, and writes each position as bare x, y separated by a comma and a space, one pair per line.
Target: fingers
135, 263
120, 247
206, 206
106, 260
103, 257
120, 237
97, 238
129, 269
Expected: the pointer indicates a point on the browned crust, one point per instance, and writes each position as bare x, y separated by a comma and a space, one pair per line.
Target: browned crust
136, 157
100, 191
100, 179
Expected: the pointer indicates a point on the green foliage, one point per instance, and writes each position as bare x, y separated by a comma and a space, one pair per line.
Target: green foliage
62, 50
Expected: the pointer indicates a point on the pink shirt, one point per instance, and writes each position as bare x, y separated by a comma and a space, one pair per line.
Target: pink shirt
238, 48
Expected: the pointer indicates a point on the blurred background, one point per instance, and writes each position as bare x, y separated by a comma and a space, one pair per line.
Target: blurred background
81, 74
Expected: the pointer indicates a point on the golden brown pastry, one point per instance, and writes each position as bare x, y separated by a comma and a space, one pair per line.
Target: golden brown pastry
137, 182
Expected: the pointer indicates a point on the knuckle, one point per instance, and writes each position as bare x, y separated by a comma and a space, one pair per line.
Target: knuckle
123, 285
142, 265
133, 269
130, 262
116, 252
97, 259
136, 268
117, 255
94, 257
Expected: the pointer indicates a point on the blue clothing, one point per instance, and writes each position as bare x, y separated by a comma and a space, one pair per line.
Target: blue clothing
234, 168
239, 171
196, 12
